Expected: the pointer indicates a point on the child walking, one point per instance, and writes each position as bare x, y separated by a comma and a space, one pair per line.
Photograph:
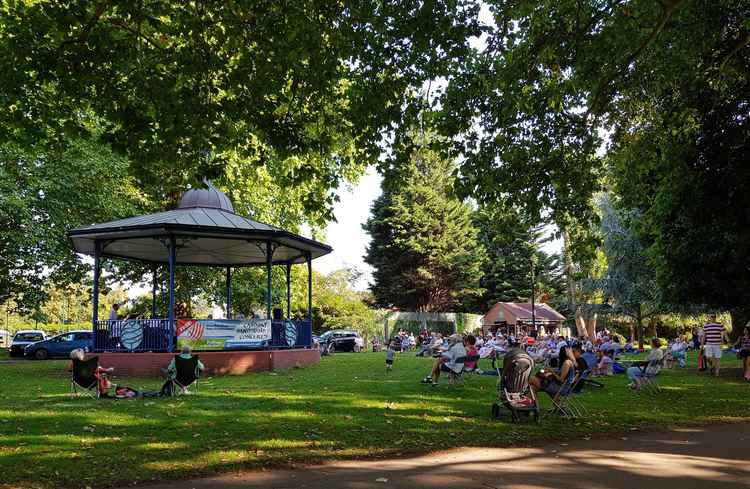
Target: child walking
390, 354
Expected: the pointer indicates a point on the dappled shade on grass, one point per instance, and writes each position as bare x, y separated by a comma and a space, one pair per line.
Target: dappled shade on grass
347, 406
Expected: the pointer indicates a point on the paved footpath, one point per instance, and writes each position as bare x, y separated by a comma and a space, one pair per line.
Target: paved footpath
689, 458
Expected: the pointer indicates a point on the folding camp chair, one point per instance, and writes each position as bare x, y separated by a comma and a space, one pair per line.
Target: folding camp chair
458, 377
649, 382
577, 390
186, 374
83, 376
563, 402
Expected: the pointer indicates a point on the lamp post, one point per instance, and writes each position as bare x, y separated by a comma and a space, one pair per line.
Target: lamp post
533, 307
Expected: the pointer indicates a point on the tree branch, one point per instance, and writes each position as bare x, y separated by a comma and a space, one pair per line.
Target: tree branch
601, 98
743, 41
123, 25
84, 35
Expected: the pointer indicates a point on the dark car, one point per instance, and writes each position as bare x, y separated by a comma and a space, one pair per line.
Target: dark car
338, 340
24, 338
60, 345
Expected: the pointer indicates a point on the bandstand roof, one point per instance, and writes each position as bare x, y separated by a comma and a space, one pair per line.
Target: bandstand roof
207, 232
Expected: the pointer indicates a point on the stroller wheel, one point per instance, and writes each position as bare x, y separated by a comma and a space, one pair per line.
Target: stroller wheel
495, 410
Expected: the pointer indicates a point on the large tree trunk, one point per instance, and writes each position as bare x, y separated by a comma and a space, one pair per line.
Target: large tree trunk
591, 326
570, 282
580, 323
639, 327
586, 323
740, 317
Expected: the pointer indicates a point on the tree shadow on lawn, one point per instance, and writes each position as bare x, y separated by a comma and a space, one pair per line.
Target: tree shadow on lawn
663, 460
260, 421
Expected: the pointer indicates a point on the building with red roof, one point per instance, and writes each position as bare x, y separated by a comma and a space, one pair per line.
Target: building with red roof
514, 317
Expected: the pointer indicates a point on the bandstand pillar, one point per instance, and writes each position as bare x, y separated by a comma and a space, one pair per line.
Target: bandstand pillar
269, 263
172, 262
309, 287
95, 288
229, 292
288, 290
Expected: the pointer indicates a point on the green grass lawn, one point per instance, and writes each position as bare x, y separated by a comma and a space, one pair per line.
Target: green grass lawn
347, 406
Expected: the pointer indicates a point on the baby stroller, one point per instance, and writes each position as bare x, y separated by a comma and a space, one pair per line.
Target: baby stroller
514, 390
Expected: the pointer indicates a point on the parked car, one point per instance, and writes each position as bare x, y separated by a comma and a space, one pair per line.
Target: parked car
60, 345
24, 338
338, 340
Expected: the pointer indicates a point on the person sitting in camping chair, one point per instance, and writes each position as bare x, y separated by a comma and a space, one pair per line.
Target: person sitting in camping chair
550, 381
183, 370
448, 361
88, 375
642, 373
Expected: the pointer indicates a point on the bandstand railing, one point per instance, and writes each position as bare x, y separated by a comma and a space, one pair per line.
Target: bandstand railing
134, 335
158, 335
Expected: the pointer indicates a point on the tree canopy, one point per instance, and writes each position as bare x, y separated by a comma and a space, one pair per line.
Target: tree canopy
424, 247
303, 88
511, 244
684, 169
44, 194
527, 109
629, 282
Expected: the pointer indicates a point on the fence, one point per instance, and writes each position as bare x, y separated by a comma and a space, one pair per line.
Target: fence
291, 334
134, 335
158, 335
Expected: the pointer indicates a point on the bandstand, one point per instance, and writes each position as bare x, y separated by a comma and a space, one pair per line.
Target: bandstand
203, 230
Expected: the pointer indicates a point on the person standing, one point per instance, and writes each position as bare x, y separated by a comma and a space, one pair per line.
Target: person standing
113, 312
713, 338
390, 354
744, 344
699, 334
115, 324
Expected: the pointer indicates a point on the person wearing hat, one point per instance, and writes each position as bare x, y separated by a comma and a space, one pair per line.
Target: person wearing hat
447, 361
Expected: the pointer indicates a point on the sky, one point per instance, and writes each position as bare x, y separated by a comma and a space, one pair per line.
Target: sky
349, 240
346, 236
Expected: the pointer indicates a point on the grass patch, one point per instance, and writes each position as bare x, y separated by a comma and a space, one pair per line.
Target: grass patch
345, 407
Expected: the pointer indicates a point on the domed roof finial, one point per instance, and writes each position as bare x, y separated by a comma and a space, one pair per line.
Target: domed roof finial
209, 197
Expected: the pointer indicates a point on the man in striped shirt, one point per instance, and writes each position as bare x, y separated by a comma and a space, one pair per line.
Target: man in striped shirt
714, 336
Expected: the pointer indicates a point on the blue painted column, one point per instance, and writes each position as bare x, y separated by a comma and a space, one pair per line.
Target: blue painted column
95, 288
269, 263
309, 288
288, 290
229, 292
172, 264
154, 271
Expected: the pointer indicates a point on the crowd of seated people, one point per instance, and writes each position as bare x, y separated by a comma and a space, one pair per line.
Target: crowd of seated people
403, 341
561, 358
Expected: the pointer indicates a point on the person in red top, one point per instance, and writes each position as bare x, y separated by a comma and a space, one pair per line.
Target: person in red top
471, 349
